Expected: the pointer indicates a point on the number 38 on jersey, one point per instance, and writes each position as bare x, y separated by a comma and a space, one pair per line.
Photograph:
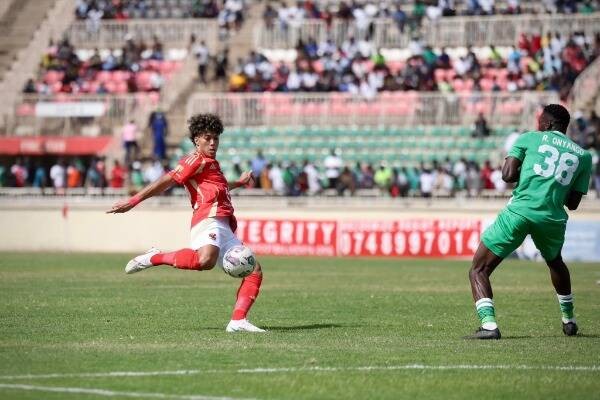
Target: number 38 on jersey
561, 166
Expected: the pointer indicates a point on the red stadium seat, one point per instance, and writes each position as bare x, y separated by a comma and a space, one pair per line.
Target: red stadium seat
52, 77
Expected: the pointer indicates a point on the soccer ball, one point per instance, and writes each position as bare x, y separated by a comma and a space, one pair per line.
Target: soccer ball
239, 261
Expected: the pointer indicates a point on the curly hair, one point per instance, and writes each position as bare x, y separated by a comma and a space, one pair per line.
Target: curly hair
558, 116
202, 123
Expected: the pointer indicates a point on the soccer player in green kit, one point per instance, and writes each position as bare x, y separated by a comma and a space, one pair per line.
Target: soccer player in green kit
551, 172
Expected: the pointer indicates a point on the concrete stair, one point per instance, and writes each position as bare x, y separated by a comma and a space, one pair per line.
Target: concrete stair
17, 28
240, 44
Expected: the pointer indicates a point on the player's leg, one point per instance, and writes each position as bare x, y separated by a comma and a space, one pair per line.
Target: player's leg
245, 298
549, 240
204, 258
484, 263
561, 279
498, 241
202, 254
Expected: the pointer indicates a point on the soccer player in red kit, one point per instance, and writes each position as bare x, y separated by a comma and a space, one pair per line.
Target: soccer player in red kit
213, 222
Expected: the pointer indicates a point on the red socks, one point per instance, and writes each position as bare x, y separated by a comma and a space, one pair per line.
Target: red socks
182, 259
246, 295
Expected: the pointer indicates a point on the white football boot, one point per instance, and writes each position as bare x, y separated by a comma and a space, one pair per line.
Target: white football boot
141, 262
242, 325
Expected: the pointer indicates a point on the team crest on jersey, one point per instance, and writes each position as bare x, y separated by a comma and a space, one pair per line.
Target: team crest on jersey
212, 236
213, 166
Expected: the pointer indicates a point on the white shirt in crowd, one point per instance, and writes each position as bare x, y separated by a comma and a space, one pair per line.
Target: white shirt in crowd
294, 81
57, 174
496, 178
333, 164
313, 178
276, 178
201, 53
427, 180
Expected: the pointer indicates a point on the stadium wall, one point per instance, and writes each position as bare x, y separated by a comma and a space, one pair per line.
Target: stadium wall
409, 229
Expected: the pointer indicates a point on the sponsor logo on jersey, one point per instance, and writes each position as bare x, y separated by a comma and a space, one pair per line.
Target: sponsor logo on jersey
212, 236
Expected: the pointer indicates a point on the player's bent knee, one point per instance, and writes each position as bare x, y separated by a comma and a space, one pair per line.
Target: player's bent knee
208, 260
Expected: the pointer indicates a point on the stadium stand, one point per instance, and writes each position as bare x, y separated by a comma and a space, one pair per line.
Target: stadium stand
534, 63
399, 102
132, 68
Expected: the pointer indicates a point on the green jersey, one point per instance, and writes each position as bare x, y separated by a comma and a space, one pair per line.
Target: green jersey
552, 166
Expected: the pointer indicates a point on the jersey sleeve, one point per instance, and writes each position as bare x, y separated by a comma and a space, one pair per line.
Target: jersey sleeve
188, 167
582, 182
519, 148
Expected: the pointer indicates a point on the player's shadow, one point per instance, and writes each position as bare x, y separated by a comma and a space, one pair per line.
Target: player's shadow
579, 335
303, 327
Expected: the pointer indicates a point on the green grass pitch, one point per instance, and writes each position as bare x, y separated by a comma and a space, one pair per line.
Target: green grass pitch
338, 329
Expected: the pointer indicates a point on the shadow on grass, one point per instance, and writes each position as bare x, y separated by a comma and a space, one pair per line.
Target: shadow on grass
305, 327
291, 328
580, 336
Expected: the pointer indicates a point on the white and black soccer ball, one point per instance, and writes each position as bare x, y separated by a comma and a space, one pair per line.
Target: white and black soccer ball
239, 261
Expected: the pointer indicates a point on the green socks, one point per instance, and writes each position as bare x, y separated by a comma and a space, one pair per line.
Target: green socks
566, 307
486, 313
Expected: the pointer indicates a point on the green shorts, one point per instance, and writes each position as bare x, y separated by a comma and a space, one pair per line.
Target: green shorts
509, 230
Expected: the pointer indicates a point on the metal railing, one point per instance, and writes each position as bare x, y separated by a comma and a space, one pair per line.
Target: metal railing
501, 30
388, 108
88, 115
171, 32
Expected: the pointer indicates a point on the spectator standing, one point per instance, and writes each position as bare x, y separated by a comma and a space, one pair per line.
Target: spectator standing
19, 173
117, 176
129, 135
384, 178
333, 165
203, 56
73, 175
312, 176
486, 175
258, 164
265, 181
496, 178
160, 129
276, 177
426, 180
346, 182
58, 176
480, 128
39, 177
222, 65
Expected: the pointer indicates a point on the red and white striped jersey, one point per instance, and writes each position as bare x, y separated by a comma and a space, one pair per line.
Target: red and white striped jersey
207, 187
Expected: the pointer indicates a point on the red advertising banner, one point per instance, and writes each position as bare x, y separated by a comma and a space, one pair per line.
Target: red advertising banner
39, 145
290, 238
409, 238
401, 238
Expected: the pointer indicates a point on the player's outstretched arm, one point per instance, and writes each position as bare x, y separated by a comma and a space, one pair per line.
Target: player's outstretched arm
246, 178
573, 200
511, 169
157, 187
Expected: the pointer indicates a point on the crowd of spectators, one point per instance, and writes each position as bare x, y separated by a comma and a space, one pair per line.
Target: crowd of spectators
291, 14
281, 178
137, 66
81, 173
135, 9
229, 13
334, 176
329, 176
551, 62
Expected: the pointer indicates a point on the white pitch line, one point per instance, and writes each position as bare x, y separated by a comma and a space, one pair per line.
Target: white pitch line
573, 368
111, 393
